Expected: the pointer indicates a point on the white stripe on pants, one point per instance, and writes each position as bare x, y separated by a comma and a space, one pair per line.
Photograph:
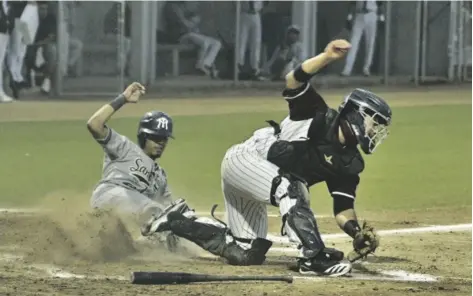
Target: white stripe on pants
246, 183
3, 49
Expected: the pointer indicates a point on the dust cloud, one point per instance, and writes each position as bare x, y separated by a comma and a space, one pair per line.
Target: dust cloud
67, 230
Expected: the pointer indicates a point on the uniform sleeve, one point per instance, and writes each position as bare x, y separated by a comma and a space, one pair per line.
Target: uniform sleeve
115, 145
304, 102
343, 186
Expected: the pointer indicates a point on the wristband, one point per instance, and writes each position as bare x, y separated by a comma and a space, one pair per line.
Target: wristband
301, 76
118, 102
351, 228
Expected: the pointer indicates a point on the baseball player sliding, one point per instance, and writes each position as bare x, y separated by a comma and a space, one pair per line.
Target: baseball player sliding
278, 164
132, 181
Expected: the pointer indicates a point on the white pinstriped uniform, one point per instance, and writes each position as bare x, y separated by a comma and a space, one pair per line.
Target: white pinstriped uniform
247, 179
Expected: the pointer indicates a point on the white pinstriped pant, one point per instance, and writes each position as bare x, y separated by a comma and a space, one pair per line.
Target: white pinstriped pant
246, 183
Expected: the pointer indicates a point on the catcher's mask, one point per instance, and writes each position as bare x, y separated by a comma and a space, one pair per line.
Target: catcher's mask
156, 126
368, 117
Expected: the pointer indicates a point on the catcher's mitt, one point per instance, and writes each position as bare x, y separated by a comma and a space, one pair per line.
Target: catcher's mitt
365, 242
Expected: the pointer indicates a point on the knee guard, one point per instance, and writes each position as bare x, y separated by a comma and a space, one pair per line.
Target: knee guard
219, 241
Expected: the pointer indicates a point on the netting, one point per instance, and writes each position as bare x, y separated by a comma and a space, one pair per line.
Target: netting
94, 38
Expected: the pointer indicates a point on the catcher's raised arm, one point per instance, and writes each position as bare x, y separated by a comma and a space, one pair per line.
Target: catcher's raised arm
304, 72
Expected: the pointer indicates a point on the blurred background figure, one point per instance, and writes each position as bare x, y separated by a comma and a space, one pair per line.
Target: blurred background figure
74, 45
17, 49
363, 20
183, 26
41, 56
6, 27
287, 56
250, 37
110, 27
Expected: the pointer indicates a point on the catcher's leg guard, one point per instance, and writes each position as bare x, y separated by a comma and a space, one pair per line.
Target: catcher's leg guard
218, 241
301, 220
316, 258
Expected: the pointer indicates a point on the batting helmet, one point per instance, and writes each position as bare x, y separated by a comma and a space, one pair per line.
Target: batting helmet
155, 124
368, 117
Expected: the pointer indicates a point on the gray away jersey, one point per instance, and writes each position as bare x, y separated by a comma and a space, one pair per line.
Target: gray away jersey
125, 164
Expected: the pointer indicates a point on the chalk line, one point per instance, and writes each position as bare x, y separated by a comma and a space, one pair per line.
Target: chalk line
269, 215
57, 272
383, 275
402, 231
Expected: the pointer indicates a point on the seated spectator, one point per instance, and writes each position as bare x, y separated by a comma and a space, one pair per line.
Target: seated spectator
182, 25
286, 56
45, 43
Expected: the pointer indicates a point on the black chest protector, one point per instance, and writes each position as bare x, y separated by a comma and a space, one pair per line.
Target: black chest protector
319, 158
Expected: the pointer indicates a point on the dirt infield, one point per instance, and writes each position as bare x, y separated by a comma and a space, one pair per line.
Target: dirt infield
69, 250
93, 254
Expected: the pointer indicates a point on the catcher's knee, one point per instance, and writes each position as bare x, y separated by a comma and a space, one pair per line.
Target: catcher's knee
218, 241
295, 202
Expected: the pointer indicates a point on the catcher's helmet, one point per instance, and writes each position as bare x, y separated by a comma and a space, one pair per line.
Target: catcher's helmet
368, 117
154, 124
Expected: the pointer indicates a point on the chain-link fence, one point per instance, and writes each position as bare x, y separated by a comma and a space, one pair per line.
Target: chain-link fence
438, 42
94, 45
96, 56
460, 48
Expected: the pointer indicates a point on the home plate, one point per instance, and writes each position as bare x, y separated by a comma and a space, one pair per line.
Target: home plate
381, 275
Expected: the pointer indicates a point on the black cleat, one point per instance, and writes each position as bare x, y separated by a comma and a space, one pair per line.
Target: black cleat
323, 265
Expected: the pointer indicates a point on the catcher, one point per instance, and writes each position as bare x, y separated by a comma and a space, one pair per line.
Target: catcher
277, 165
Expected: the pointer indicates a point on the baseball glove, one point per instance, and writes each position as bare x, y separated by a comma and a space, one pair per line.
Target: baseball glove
365, 242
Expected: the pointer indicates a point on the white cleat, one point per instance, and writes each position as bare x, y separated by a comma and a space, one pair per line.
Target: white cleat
6, 99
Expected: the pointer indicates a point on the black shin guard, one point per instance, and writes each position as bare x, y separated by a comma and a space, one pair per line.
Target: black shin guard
255, 255
214, 239
209, 237
301, 219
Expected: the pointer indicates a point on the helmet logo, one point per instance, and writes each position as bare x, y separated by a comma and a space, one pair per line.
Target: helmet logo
162, 123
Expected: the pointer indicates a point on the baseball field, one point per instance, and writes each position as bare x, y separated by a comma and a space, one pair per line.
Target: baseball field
416, 190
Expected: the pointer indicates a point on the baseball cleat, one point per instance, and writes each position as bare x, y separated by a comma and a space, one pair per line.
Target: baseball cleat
5, 99
159, 223
325, 267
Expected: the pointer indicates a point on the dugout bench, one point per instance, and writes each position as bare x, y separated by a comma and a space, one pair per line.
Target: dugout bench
175, 50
